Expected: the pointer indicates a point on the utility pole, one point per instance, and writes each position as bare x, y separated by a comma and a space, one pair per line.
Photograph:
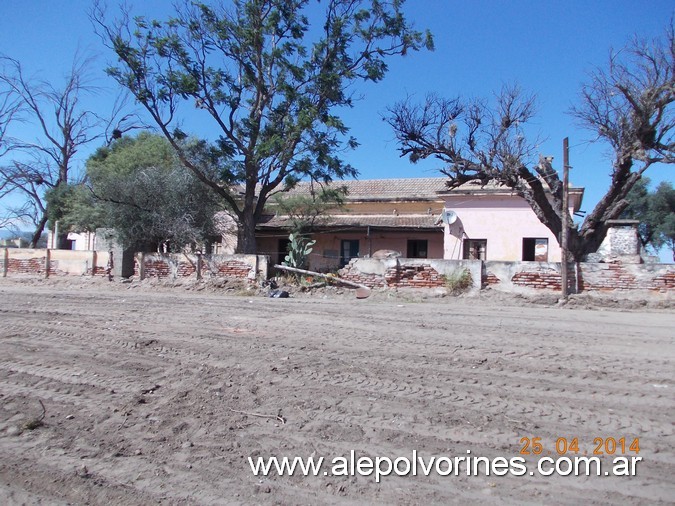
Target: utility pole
565, 217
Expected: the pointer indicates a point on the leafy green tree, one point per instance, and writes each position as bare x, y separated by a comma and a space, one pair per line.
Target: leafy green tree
268, 80
148, 197
656, 212
75, 208
305, 211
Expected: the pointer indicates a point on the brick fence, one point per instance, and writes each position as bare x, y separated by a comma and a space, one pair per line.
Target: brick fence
53, 262
409, 272
511, 276
385, 273
48, 262
622, 277
584, 277
179, 265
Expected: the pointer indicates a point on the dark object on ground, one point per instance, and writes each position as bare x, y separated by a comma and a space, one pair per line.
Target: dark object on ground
271, 283
278, 294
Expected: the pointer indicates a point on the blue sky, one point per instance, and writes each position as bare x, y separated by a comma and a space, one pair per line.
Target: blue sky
548, 47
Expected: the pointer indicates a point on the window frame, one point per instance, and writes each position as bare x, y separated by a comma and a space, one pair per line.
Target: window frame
467, 248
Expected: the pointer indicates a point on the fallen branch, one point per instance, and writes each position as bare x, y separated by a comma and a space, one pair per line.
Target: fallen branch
278, 417
320, 284
325, 276
34, 423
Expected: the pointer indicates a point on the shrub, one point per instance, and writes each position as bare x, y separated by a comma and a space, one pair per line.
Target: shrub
459, 281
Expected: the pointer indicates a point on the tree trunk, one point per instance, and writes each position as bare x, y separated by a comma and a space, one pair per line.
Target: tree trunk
246, 234
38, 231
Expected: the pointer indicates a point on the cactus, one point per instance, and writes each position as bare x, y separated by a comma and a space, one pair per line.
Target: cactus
298, 251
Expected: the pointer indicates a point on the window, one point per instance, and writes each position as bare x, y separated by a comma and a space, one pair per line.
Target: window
417, 248
535, 250
348, 249
475, 249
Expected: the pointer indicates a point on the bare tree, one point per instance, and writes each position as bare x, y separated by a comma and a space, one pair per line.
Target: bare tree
9, 109
62, 125
628, 105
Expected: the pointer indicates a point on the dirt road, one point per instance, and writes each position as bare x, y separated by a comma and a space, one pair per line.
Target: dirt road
161, 397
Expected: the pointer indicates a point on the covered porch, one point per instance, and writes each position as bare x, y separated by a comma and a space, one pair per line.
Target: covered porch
341, 238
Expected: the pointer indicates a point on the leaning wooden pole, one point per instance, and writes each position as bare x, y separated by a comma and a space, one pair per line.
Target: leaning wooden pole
324, 276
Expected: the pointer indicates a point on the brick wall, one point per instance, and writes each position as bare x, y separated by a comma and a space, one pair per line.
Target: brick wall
616, 276
413, 276
185, 269
31, 262
522, 276
622, 277
156, 268
409, 272
25, 261
234, 269
402, 272
490, 279
26, 266
155, 265
539, 280
369, 280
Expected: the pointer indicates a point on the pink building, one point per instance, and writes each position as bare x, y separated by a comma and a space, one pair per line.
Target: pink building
492, 223
420, 218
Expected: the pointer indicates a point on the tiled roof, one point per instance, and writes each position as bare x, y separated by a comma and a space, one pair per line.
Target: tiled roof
403, 188
492, 186
423, 188
419, 221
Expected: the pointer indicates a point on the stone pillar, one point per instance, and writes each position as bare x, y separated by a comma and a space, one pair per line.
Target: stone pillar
123, 259
621, 244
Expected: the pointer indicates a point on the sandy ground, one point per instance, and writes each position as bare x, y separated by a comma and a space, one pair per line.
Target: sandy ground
160, 396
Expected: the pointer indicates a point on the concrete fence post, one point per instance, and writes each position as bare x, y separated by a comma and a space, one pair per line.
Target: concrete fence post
173, 260
140, 258
94, 259
5, 262
47, 258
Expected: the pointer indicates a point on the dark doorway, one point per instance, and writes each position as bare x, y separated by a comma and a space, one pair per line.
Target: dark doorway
282, 250
348, 249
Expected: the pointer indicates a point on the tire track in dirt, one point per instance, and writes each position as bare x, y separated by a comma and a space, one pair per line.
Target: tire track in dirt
382, 379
